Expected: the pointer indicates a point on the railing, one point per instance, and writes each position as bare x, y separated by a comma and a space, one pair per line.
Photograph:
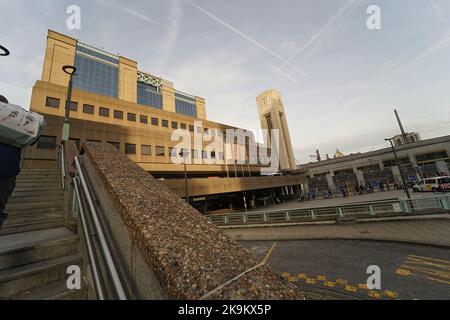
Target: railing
107, 284
386, 208
62, 166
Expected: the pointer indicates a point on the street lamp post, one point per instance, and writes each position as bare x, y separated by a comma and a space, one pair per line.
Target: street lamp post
399, 168
185, 154
70, 70
4, 51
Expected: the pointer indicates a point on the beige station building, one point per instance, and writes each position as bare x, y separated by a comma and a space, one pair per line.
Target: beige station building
115, 102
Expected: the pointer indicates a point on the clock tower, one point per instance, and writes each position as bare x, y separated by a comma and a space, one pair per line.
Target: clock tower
272, 116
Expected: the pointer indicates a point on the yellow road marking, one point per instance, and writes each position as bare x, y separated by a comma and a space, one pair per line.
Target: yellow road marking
390, 294
439, 280
350, 288
374, 294
311, 281
302, 276
341, 281
285, 274
403, 272
428, 271
432, 259
427, 263
269, 252
363, 286
330, 284
292, 279
321, 278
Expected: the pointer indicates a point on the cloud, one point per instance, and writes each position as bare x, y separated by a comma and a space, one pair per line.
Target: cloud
313, 43
170, 37
140, 16
439, 14
245, 36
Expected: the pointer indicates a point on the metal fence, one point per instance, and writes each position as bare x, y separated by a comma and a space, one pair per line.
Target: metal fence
440, 203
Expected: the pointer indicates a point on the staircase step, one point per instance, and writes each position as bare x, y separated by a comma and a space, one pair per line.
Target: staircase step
38, 183
35, 246
37, 225
36, 275
35, 193
36, 199
33, 205
19, 219
56, 291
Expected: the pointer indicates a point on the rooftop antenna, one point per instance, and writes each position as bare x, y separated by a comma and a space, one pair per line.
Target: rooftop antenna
400, 124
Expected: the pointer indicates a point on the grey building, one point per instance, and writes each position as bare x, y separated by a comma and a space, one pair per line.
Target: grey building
420, 159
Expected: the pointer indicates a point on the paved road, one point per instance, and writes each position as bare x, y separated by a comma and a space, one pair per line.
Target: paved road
376, 196
329, 269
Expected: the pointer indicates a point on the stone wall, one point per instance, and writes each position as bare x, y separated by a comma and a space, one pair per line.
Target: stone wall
191, 258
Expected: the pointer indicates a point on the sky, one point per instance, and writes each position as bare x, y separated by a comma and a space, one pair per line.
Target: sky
340, 81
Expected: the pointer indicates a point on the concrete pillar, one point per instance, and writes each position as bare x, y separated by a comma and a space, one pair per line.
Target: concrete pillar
330, 181
397, 175
360, 177
442, 167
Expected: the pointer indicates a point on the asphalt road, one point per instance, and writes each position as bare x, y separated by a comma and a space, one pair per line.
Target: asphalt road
330, 269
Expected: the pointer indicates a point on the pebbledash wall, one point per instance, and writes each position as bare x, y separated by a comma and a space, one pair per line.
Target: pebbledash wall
424, 158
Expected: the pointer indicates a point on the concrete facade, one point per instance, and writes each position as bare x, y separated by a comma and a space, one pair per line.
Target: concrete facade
421, 159
272, 116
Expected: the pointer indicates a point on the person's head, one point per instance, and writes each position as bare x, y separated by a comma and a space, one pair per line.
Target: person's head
3, 99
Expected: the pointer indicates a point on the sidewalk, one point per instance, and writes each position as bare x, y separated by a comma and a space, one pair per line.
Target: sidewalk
429, 232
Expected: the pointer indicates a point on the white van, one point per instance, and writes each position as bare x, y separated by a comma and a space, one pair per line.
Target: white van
436, 184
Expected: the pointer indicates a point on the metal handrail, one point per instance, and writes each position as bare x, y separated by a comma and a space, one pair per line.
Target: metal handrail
376, 208
100, 236
62, 166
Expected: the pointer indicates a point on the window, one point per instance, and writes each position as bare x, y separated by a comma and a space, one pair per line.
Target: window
96, 72
185, 104
73, 106
174, 125
131, 117
52, 102
213, 154
205, 154
130, 148
183, 126
155, 122
87, 108
160, 151
104, 112
194, 154
143, 119
165, 123
77, 141
146, 150
191, 128
118, 114
212, 132
432, 156
148, 95
392, 163
199, 129
46, 142
115, 144
90, 140
172, 152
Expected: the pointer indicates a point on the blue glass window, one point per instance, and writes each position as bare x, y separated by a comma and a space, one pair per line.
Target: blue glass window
148, 95
186, 108
185, 104
94, 75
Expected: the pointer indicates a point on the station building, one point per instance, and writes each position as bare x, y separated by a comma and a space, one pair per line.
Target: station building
418, 159
113, 101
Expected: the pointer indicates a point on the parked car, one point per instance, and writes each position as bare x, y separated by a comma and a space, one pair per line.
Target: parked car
436, 184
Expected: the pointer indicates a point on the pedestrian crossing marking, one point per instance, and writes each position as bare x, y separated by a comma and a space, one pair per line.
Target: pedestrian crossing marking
437, 270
